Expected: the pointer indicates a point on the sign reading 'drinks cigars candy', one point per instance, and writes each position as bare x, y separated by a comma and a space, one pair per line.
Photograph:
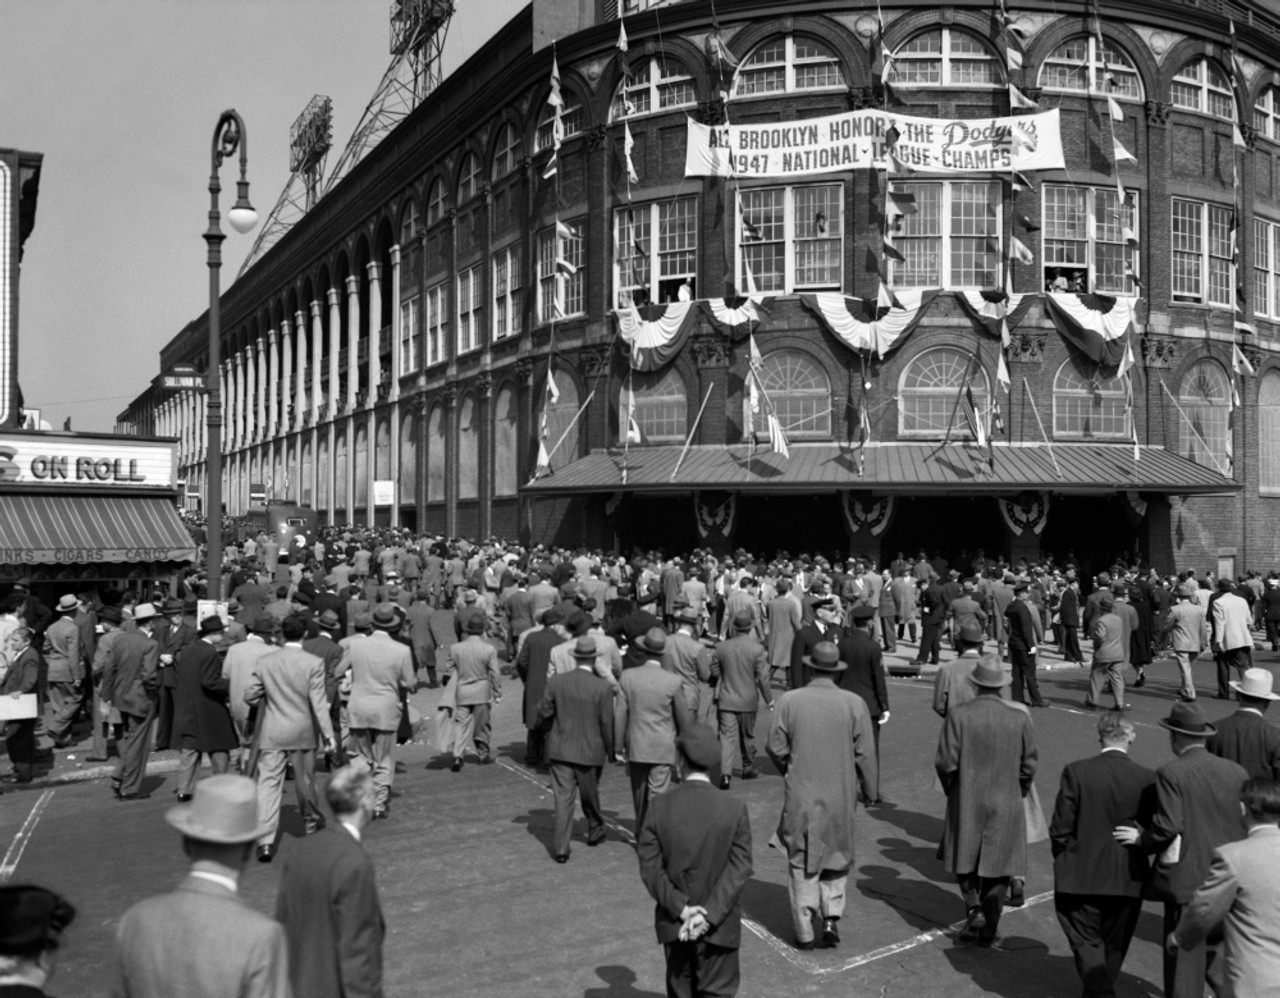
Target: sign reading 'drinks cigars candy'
857, 140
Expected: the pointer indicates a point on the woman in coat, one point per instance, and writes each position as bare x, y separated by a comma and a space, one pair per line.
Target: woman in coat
1140, 641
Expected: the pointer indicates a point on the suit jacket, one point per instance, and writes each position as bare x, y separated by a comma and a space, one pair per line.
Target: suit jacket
330, 652
130, 680
740, 669
1185, 626
1231, 621
695, 849
1110, 643
806, 638
1069, 608
1197, 797
201, 720
579, 707
1096, 795
649, 712
865, 675
62, 652
533, 665
1242, 893
334, 602
328, 904
380, 669
951, 683
687, 657
201, 941
291, 682
1251, 740
24, 674
474, 662
238, 668
1022, 628
933, 604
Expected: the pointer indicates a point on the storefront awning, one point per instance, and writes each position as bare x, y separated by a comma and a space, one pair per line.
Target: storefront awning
80, 529
891, 469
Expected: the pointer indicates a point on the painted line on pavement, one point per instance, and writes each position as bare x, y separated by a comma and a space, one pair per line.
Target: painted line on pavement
625, 835
19, 843
785, 950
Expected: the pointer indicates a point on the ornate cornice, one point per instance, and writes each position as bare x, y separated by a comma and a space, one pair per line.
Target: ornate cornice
1157, 112
596, 135
1027, 347
524, 369
1250, 135
484, 383
593, 360
449, 394
1159, 351
710, 351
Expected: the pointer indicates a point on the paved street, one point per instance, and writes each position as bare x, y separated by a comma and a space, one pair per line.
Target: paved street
475, 906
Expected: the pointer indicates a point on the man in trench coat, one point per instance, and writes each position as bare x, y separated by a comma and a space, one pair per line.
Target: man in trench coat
201, 718
821, 741
986, 762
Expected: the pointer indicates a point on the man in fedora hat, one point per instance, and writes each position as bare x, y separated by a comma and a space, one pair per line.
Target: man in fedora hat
131, 683
1023, 644
578, 706
1110, 651
328, 629
238, 668
201, 719
951, 683
1197, 810
172, 634
32, 920
1231, 637
986, 762
109, 619
824, 627
473, 665
821, 740
202, 939
1184, 629
64, 664
865, 675
695, 859
21, 678
1246, 736
687, 657
740, 672
965, 609
533, 666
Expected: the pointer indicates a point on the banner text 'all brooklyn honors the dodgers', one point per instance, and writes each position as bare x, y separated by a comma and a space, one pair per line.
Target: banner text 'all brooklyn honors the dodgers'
856, 140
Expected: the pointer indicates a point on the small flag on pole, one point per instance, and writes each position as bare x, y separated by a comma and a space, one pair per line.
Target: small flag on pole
777, 439
622, 36
1121, 153
1113, 105
566, 231
1012, 58
628, 144
1020, 251
556, 102
1239, 362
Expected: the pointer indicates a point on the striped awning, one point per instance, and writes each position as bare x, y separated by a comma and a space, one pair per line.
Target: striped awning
79, 529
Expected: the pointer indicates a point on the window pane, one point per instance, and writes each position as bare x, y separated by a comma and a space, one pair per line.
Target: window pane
930, 387
800, 392
1187, 247
818, 236
763, 238
1086, 403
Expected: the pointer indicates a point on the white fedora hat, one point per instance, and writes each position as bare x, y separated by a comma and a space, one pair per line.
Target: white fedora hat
1256, 684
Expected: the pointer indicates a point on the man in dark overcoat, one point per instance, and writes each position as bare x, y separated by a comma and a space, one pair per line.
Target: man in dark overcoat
533, 666
201, 717
865, 675
824, 627
933, 614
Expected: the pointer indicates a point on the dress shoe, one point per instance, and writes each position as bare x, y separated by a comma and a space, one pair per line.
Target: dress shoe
1122, 707
486, 760
95, 758
1186, 699
1089, 705
562, 857
138, 796
266, 854
1040, 703
975, 922
115, 786
724, 783
15, 778
380, 814
830, 935
1140, 681
456, 767
1017, 893
185, 798
595, 840
806, 945
750, 774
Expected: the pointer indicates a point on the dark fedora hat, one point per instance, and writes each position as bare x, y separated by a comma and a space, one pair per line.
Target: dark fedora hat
825, 658
742, 621
211, 624
329, 619
654, 640
1186, 719
264, 623
385, 618
990, 675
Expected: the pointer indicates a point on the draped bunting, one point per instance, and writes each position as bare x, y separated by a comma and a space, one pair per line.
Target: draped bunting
863, 325
653, 334
715, 513
875, 514
1033, 516
991, 309
1094, 324
736, 318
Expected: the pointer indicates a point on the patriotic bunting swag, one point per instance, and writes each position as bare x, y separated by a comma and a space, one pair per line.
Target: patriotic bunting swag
1094, 324
653, 334
872, 516
736, 318
863, 324
1032, 516
715, 513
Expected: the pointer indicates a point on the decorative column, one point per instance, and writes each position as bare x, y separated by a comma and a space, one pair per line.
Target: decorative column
484, 452
317, 365
449, 394
286, 378
300, 356
242, 413
353, 340
263, 425
397, 330
252, 423
335, 348
375, 331
273, 382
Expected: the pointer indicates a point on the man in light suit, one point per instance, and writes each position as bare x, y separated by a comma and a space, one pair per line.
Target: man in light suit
1242, 894
695, 859
130, 683
289, 683
579, 707
328, 901
740, 669
201, 939
650, 711
687, 657
381, 676
473, 664
64, 662
1231, 638
238, 668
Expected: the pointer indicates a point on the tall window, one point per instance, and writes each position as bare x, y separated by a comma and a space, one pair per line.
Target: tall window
652, 86
560, 272
786, 64
800, 392
791, 238
437, 202
470, 288
1266, 268
570, 122
1088, 403
1084, 240
928, 390
468, 448
469, 178
410, 336
944, 57
506, 421
408, 475
1205, 397
506, 156
435, 454
1266, 114
655, 268
409, 224
1269, 432
953, 240
437, 323
1201, 252
560, 419
508, 298
1202, 86
1078, 65
662, 407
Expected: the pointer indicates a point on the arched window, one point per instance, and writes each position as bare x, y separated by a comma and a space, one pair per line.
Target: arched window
468, 449
944, 57
1266, 114
361, 469
560, 414
1088, 403
1269, 432
409, 223
788, 63
469, 178
382, 451
570, 122
340, 461
1205, 398
437, 202
306, 473
1079, 66
1202, 86
506, 155
435, 454
929, 388
652, 86
323, 498
800, 392
408, 476
661, 406
506, 424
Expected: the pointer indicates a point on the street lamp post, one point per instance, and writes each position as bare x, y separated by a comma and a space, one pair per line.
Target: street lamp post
228, 137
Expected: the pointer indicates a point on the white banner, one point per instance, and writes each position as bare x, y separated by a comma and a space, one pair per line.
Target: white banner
855, 140
55, 460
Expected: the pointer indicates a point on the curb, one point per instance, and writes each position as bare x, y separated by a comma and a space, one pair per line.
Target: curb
96, 772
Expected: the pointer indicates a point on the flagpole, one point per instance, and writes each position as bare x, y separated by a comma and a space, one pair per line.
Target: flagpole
1039, 422
626, 430
572, 423
1192, 427
705, 399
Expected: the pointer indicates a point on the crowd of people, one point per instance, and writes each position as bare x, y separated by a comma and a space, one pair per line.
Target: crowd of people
663, 662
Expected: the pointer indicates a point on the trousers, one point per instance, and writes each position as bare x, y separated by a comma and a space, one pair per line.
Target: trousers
471, 730
1106, 672
1071, 644
1024, 672
701, 970
189, 767
1186, 682
1187, 971
648, 780
1099, 930
134, 749
64, 702
378, 750
737, 740
814, 894
567, 778
987, 894
20, 743
930, 644
271, 769
1237, 658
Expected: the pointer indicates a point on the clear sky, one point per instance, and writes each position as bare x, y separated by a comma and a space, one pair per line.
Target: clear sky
122, 97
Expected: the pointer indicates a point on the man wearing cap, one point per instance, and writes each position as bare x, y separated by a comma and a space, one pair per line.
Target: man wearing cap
130, 683
821, 741
238, 668
578, 706
1246, 736
32, 921
1022, 631
1110, 649
650, 711
473, 665
64, 663
381, 677
1069, 622
825, 627
695, 859
865, 675
288, 683
201, 721
986, 762
202, 939
1231, 638
951, 683
740, 673
1184, 629
933, 615
1197, 810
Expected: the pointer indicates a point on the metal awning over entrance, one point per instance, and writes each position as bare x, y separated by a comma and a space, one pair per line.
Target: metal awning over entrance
891, 469
83, 529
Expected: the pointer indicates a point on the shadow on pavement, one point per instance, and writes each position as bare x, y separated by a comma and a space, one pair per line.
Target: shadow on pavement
540, 823
925, 827
621, 981
1020, 967
923, 906
769, 905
